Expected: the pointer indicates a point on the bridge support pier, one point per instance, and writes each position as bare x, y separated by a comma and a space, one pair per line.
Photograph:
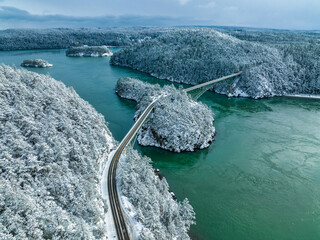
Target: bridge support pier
197, 90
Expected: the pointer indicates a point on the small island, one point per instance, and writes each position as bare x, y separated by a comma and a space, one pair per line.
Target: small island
177, 124
89, 51
36, 63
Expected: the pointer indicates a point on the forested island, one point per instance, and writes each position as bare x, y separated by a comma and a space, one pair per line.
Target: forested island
37, 63
178, 123
89, 51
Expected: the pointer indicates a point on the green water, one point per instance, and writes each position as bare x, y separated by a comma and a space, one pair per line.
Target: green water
260, 179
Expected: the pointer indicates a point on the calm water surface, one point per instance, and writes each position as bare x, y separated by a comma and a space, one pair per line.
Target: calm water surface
260, 179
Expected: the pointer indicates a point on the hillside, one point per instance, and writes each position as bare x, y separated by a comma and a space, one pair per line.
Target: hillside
53, 147
177, 123
194, 56
54, 38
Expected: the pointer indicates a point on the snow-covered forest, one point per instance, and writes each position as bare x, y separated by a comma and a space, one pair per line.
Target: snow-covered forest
52, 145
178, 123
37, 63
271, 36
157, 215
50, 148
88, 51
22, 39
194, 56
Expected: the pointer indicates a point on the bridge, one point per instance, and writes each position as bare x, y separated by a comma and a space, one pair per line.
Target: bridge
203, 87
117, 211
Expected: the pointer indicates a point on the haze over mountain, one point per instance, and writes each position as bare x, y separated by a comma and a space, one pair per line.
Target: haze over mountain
282, 14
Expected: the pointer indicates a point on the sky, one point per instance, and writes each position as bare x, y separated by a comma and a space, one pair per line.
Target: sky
278, 14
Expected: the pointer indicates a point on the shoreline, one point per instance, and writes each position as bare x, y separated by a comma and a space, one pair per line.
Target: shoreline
307, 96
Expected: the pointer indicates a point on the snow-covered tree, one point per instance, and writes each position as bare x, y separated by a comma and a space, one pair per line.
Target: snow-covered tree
37, 63
195, 56
158, 216
51, 144
88, 51
54, 38
178, 123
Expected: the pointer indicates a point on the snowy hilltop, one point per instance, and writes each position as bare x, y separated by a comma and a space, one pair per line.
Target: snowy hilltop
53, 148
195, 56
89, 51
36, 63
178, 123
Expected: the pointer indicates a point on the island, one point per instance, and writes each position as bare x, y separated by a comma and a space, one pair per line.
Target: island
178, 123
36, 63
89, 51
200, 55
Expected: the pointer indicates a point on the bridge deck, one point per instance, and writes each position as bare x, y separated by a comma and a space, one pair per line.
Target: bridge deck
117, 212
212, 81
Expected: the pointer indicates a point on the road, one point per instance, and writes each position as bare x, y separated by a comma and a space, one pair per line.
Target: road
211, 82
117, 212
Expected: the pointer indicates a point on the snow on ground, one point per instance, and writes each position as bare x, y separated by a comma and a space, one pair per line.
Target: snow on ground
54, 148
195, 56
51, 148
89, 51
303, 96
37, 63
131, 213
110, 227
154, 215
177, 123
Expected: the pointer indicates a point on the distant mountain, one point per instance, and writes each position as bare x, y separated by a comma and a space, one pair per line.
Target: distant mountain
54, 38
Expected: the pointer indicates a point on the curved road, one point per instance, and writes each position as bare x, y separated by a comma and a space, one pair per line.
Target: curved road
117, 213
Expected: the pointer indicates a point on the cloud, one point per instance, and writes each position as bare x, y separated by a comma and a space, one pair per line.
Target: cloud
9, 12
183, 2
208, 5
11, 17
231, 8
207, 12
